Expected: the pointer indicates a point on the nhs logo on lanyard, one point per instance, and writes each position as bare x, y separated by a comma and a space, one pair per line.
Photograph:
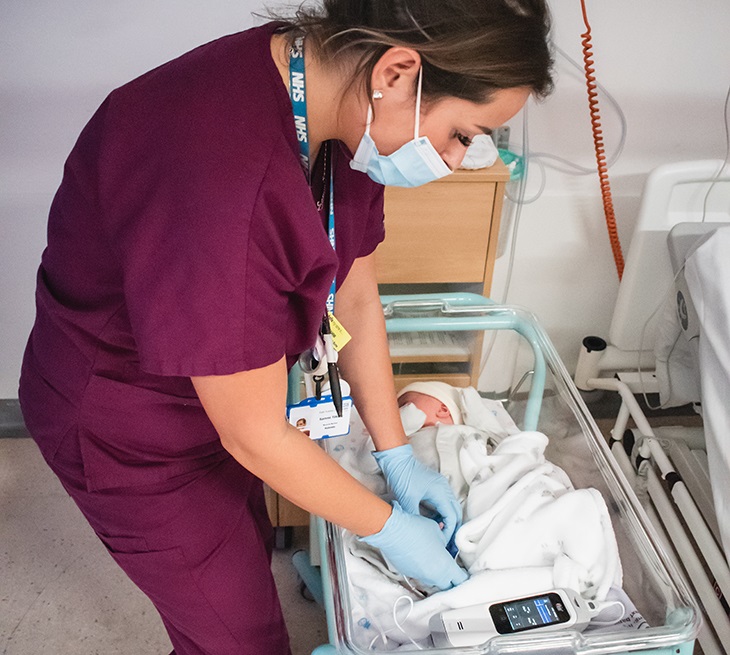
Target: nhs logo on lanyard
300, 123
297, 85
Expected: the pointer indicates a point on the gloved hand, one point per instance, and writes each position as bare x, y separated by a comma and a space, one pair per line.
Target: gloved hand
413, 483
414, 546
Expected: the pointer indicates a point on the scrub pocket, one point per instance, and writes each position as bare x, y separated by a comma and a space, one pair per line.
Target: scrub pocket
131, 436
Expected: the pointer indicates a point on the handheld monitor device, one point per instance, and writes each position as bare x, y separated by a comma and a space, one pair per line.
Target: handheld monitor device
558, 609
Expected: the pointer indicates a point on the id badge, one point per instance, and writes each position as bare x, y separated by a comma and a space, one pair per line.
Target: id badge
318, 418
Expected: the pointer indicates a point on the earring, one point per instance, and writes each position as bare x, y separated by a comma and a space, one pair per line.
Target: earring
377, 94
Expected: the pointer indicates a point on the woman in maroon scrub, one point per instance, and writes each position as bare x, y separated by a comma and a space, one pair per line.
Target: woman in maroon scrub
188, 266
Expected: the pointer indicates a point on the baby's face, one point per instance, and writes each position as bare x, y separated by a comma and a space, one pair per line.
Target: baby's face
433, 408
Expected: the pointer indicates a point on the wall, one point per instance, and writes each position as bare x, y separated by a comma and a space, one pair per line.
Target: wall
666, 64
664, 60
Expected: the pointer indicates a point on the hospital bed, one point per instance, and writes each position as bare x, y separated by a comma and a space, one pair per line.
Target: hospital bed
670, 337
540, 396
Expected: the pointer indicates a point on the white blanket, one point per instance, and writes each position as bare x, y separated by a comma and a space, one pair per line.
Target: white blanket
526, 529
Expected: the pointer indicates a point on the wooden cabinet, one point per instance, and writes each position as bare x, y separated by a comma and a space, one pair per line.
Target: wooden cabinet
283, 514
441, 237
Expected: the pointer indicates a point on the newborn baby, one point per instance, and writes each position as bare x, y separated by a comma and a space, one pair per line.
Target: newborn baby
438, 401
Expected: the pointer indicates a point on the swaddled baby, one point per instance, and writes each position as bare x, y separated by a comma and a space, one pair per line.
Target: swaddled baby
437, 416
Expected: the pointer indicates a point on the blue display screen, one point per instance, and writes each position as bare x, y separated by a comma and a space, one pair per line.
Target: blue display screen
531, 613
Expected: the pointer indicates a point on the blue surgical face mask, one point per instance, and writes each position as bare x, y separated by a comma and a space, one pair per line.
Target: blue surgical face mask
413, 164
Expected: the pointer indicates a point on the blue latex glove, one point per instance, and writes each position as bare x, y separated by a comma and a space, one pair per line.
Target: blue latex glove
413, 545
413, 483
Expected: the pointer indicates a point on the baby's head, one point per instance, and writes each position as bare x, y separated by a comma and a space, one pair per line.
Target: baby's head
437, 400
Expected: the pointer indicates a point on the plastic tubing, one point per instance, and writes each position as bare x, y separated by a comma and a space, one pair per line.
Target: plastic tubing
598, 143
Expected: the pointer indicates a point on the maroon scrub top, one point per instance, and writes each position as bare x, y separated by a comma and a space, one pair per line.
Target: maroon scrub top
184, 240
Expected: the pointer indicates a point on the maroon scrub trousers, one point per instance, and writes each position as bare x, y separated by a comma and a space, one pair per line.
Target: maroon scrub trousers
183, 241
198, 546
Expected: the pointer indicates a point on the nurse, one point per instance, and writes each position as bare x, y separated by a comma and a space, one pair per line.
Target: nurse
190, 261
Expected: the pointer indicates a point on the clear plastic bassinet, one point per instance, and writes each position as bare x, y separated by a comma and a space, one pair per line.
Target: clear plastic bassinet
539, 395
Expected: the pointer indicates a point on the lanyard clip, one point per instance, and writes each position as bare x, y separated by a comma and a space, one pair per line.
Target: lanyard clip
314, 360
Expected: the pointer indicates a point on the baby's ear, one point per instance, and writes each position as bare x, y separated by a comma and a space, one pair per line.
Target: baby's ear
443, 411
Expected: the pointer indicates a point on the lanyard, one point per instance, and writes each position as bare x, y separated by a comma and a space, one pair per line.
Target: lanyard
298, 95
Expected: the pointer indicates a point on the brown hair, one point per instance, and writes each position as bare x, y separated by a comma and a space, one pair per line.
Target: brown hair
469, 48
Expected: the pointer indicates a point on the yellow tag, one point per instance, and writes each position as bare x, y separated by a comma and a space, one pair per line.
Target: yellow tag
340, 336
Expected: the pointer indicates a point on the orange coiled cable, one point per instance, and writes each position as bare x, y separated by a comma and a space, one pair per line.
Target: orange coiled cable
598, 141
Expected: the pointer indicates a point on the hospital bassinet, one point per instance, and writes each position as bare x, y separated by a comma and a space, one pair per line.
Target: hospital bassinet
539, 395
